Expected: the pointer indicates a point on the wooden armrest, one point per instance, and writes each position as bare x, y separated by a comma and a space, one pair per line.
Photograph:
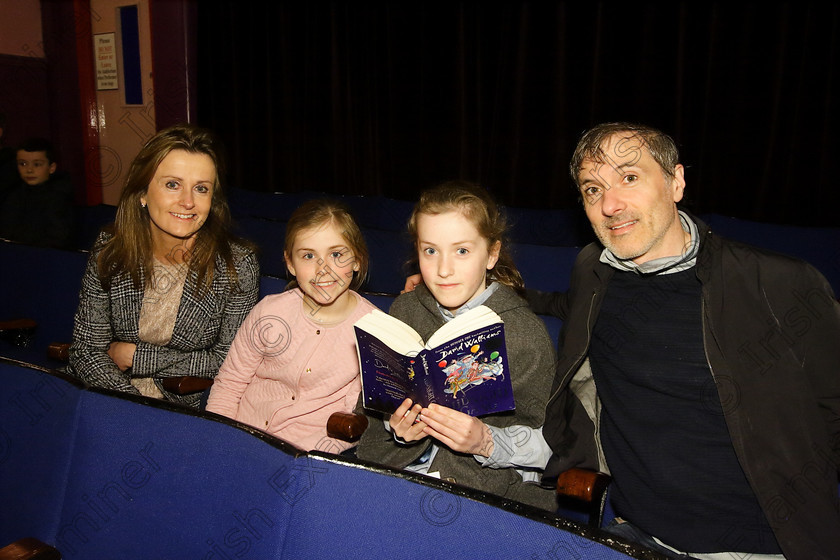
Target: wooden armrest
59, 351
185, 385
582, 484
29, 549
17, 325
587, 488
18, 331
346, 426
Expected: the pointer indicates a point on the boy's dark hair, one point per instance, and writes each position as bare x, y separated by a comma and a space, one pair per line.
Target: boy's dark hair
39, 145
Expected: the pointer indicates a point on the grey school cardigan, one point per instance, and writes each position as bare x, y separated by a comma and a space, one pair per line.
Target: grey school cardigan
532, 363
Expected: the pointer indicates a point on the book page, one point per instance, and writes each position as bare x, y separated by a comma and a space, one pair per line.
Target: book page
472, 320
399, 336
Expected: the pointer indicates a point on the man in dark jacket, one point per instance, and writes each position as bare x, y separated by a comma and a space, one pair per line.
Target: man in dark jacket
717, 367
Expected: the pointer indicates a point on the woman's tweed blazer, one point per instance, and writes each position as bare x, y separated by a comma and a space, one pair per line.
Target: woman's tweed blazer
204, 329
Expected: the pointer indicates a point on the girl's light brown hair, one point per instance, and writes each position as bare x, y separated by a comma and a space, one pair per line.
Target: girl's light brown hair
481, 210
130, 250
320, 212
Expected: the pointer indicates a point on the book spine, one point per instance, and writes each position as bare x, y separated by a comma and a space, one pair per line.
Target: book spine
428, 393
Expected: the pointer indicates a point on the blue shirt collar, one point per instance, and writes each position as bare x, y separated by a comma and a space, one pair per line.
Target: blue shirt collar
472, 304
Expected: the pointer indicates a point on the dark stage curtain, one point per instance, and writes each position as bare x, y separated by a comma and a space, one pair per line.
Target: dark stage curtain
388, 98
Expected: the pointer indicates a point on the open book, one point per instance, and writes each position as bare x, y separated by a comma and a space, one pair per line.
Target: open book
464, 364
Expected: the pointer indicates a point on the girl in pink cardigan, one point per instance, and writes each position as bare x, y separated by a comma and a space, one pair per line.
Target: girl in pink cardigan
293, 362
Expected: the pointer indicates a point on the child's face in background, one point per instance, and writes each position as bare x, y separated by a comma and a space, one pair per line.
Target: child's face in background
34, 167
323, 263
454, 257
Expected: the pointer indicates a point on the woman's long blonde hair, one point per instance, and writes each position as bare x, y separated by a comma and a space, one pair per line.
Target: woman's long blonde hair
130, 249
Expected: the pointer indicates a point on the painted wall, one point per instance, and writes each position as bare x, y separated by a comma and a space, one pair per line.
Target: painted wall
20, 28
23, 74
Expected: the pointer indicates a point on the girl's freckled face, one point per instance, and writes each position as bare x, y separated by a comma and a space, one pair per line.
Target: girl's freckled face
323, 264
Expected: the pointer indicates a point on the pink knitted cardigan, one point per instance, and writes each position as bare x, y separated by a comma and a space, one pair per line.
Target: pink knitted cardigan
286, 374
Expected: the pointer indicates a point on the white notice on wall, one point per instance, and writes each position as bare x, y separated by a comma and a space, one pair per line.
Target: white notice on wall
105, 53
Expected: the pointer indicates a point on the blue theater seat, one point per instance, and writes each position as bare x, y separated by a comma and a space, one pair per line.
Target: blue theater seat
101, 475
271, 285
41, 284
382, 301
369, 211
553, 325
389, 251
89, 222
543, 267
819, 246
269, 237
245, 203
557, 228
379, 212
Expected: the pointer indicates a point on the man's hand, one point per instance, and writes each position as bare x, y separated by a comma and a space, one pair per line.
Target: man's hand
412, 282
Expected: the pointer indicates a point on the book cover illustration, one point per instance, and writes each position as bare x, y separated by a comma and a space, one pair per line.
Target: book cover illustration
468, 372
471, 370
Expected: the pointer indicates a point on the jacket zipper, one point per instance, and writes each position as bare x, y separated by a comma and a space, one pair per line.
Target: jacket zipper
576, 365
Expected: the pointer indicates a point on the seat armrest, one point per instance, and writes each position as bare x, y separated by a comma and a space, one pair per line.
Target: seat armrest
59, 351
346, 426
586, 489
582, 484
29, 549
186, 384
18, 331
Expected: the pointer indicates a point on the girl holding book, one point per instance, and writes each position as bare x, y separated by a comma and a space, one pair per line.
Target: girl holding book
293, 362
458, 233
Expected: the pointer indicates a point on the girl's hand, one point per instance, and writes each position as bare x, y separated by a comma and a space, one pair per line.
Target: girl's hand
458, 431
403, 422
122, 353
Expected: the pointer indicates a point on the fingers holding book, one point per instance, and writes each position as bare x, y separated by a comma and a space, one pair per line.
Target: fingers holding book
458, 431
405, 422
